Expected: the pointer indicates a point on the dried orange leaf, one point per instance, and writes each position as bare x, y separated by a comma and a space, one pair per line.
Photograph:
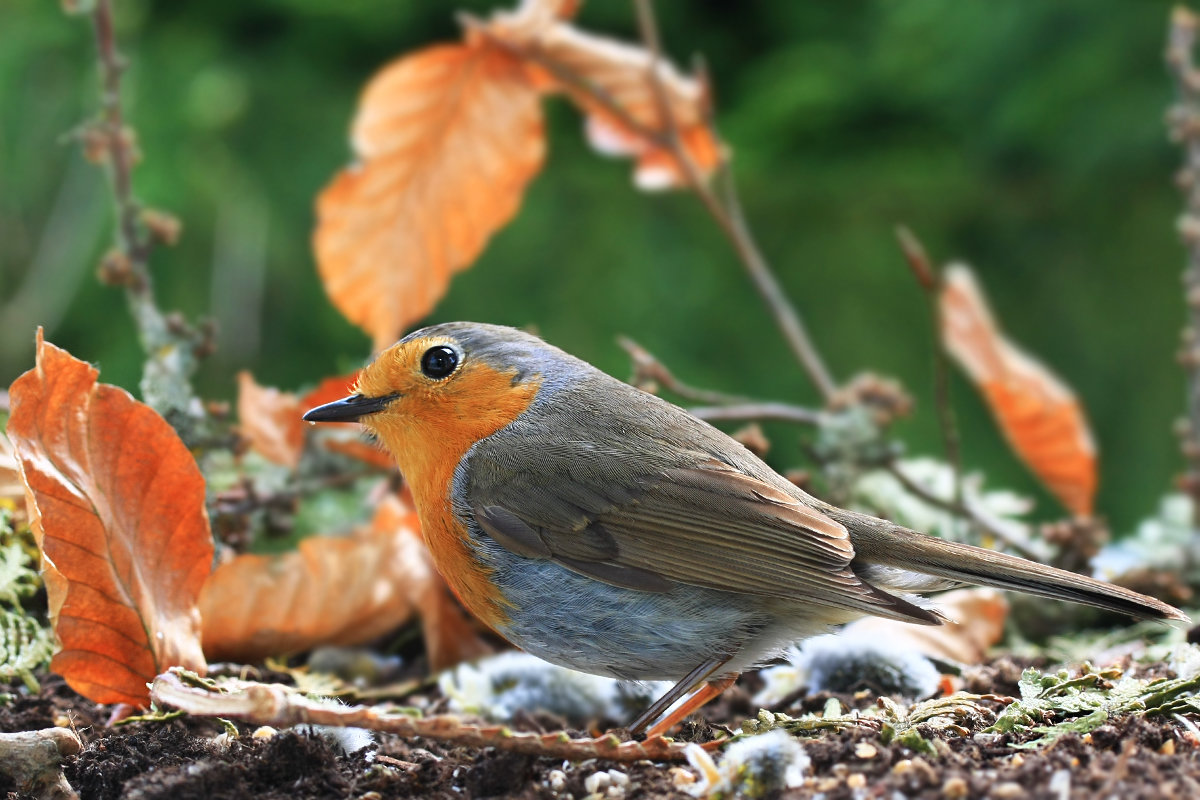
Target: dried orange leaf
117, 507
328, 390
1041, 418
450, 637
975, 617
270, 420
448, 138
331, 590
345, 438
620, 73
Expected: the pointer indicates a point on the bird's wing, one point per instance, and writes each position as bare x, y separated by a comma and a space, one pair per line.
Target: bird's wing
602, 513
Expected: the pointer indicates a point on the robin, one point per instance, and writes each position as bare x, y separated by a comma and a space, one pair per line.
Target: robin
604, 529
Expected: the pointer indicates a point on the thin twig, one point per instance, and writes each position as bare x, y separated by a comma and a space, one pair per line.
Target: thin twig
282, 706
729, 217
764, 411
720, 406
172, 347
960, 508
131, 237
647, 368
1184, 126
930, 282
727, 214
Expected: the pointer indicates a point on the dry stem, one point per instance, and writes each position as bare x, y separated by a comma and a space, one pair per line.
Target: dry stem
1184, 126
171, 346
959, 507
728, 214
281, 706
931, 283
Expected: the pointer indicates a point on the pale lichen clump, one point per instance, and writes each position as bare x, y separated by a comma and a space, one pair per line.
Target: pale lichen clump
497, 687
753, 767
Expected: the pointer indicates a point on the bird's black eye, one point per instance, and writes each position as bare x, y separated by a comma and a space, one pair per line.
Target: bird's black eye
438, 362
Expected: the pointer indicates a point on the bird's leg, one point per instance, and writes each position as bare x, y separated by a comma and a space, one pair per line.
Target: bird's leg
699, 677
707, 692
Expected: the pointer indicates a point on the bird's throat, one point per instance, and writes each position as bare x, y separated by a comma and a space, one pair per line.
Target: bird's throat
428, 448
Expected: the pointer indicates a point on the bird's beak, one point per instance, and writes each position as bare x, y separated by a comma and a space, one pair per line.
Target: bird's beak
348, 409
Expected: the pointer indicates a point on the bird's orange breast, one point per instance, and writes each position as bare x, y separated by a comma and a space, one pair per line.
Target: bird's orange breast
429, 434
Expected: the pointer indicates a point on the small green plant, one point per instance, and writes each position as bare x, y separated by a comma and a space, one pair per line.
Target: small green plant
25, 643
1057, 704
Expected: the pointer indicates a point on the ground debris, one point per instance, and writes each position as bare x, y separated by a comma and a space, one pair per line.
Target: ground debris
935, 748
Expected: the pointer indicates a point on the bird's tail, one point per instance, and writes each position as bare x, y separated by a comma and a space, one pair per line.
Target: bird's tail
884, 543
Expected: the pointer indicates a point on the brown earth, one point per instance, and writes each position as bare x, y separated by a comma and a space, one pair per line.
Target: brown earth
1130, 758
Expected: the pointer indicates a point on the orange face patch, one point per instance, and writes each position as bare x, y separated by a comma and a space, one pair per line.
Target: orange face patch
428, 428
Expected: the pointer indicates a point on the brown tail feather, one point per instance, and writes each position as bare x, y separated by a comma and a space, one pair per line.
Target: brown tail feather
880, 542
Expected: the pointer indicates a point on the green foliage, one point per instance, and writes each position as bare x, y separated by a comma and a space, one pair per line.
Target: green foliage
1053, 705
956, 715
25, 643
17, 577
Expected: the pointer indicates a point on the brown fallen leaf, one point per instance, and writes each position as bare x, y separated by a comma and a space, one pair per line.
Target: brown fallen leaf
328, 390
450, 636
598, 66
448, 137
333, 590
1041, 418
116, 503
976, 622
270, 420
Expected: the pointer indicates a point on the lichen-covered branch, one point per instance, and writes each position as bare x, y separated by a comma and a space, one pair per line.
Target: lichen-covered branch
281, 706
33, 760
173, 348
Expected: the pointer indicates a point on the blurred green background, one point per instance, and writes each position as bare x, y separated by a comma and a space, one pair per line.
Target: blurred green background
1023, 137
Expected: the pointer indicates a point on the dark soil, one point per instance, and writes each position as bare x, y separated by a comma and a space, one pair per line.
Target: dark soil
1130, 758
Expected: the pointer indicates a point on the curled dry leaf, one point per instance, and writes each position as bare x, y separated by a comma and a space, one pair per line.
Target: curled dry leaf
1041, 418
629, 120
331, 590
270, 421
975, 617
448, 137
450, 637
116, 503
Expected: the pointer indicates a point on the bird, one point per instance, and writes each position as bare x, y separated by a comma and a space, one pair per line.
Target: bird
604, 529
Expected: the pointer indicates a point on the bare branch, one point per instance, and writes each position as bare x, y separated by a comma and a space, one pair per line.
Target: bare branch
1183, 122
727, 213
765, 411
648, 370
930, 281
962, 509
172, 347
729, 217
281, 706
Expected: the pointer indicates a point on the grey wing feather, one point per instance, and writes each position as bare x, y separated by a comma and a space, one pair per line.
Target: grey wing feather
658, 481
